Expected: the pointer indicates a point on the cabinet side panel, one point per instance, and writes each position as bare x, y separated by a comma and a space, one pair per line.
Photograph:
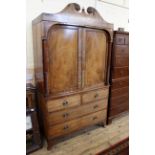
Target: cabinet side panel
38, 57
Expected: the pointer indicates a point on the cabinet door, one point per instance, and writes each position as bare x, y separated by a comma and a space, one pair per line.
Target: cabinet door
95, 57
63, 58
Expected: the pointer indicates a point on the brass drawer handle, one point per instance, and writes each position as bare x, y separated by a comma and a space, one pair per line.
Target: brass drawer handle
95, 106
65, 115
65, 103
66, 127
96, 95
95, 117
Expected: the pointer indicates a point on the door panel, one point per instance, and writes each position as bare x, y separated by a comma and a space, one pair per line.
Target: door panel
95, 57
63, 53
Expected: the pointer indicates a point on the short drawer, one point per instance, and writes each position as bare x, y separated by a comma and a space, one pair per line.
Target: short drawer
63, 103
121, 39
76, 124
120, 72
95, 95
119, 83
72, 113
121, 50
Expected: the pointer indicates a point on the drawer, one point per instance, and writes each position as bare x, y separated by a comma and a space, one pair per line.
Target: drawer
119, 92
119, 83
120, 61
63, 103
120, 72
72, 113
121, 39
121, 50
76, 124
95, 95
119, 109
120, 100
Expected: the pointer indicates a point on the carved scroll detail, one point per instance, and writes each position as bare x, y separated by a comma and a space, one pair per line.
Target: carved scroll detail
75, 9
73, 14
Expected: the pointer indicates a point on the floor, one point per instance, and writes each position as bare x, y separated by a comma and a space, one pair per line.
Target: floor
90, 141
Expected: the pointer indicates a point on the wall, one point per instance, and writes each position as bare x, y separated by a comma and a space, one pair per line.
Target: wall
109, 9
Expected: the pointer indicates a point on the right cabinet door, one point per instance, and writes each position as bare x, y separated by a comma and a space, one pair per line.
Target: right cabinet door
95, 57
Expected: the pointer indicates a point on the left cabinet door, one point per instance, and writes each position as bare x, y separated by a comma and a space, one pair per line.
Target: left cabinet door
63, 58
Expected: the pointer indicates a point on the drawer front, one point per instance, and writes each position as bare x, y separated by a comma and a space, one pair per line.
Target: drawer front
73, 125
121, 39
124, 82
120, 100
72, 113
121, 50
63, 103
119, 109
95, 95
120, 61
120, 72
119, 92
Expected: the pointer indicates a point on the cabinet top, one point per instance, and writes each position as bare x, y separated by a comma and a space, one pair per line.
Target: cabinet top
72, 14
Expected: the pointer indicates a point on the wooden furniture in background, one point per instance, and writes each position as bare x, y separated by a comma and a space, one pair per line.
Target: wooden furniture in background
120, 148
33, 137
72, 60
119, 78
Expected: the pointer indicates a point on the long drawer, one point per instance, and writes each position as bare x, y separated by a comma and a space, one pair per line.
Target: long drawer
119, 83
72, 113
63, 103
119, 109
120, 72
119, 100
119, 92
76, 124
120, 61
95, 95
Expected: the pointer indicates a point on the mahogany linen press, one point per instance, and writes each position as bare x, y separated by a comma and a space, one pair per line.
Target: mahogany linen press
72, 51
